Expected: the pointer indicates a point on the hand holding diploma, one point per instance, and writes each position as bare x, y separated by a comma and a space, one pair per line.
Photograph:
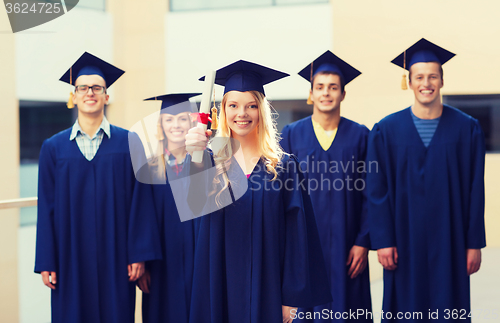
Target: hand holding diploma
196, 141
202, 117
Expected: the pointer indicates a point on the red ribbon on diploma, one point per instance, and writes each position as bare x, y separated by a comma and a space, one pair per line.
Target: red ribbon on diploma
202, 117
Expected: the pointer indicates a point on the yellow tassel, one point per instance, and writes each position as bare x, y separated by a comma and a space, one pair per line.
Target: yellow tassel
215, 121
309, 101
403, 83
70, 104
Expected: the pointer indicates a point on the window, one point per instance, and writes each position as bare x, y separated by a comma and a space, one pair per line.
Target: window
87, 4
286, 2
486, 109
91, 4
183, 5
290, 111
39, 120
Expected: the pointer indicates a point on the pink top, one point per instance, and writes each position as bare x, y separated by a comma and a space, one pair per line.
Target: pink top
248, 175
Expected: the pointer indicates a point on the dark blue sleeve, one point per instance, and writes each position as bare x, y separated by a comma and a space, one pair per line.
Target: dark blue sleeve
199, 188
380, 214
476, 231
285, 139
139, 162
143, 236
363, 237
46, 257
305, 282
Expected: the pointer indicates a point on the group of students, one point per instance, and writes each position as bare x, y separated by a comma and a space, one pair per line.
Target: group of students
276, 250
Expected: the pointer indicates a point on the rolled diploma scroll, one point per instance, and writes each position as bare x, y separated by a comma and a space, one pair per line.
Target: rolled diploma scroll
204, 108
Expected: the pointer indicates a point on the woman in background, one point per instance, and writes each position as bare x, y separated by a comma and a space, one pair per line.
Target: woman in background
167, 284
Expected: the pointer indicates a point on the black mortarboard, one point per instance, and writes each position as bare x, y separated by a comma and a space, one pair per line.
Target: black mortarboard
422, 51
245, 76
175, 103
89, 64
329, 62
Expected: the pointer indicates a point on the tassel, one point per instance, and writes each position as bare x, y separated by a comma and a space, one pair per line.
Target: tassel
403, 83
70, 104
309, 101
215, 121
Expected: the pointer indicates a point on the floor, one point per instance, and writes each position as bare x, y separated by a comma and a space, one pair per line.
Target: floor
35, 297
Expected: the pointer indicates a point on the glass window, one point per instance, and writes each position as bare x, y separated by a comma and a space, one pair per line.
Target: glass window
180, 5
486, 109
28, 180
87, 4
285, 2
92, 4
39, 120
183, 5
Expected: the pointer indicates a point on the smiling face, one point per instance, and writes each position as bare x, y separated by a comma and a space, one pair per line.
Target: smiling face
175, 127
326, 92
242, 113
426, 82
90, 103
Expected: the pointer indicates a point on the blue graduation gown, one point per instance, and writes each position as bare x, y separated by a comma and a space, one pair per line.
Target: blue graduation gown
429, 203
259, 253
339, 206
171, 278
91, 226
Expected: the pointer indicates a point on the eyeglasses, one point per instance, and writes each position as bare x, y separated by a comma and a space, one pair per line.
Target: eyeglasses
96, 89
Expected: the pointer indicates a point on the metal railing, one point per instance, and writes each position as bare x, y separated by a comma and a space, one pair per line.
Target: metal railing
18, 203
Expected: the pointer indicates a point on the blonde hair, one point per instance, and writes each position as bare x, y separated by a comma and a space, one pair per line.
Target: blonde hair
157, 162
270, 151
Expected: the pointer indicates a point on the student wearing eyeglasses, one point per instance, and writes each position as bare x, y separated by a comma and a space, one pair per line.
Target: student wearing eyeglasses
96, 224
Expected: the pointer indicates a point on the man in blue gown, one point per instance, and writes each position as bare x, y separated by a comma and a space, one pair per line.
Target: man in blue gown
332, 150
426, 199
96, 224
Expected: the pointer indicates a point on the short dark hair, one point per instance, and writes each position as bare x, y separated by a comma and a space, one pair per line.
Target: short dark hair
440, 71
342, 82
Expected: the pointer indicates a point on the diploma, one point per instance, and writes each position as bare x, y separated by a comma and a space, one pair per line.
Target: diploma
204, 110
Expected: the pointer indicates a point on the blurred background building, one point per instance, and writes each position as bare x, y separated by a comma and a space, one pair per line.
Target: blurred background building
165, 46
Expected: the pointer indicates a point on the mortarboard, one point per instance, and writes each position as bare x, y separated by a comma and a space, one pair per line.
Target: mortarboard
89, 64
422, 51
329, 62
175, 103
245, 76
